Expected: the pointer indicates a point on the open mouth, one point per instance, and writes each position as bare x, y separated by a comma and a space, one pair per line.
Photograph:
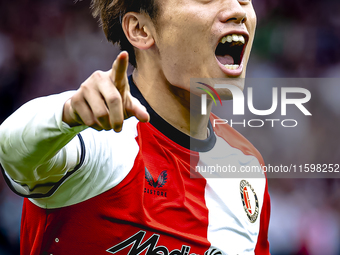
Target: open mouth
229, 51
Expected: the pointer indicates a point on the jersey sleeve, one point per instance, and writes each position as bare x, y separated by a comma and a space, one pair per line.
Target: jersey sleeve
37, 150
56, 166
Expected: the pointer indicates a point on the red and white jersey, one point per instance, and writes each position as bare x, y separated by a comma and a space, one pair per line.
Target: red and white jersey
131, 192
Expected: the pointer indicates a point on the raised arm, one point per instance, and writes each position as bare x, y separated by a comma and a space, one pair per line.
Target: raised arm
39, 144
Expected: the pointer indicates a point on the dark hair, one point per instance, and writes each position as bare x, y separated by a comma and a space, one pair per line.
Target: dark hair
111, 12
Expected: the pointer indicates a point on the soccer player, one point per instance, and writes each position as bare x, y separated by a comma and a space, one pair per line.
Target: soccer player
106, 169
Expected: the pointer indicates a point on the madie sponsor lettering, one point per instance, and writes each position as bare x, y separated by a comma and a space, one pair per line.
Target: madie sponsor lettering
149, 245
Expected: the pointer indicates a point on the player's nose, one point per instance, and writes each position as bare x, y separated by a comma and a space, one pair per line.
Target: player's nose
233, 11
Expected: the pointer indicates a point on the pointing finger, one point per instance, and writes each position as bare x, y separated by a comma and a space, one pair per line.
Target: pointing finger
119, 71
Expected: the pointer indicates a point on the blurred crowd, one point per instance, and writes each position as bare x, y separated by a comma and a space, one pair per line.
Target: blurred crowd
51, 46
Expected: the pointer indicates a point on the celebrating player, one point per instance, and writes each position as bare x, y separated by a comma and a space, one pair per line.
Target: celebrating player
124, 185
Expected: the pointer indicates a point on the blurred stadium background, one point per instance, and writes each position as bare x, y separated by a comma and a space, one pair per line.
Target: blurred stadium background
51, 46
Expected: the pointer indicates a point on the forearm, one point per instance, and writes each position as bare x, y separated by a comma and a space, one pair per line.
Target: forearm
33, 142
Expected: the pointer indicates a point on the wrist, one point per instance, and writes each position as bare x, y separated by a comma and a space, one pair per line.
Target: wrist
67, 117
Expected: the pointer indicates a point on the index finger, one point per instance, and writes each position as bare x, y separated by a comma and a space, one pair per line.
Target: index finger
119, 71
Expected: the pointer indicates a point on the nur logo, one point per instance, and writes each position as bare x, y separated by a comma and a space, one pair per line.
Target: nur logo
204, 97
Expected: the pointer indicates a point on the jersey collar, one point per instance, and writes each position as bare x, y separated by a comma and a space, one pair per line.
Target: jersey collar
171, 132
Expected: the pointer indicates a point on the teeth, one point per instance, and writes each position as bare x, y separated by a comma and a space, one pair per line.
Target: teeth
232, 67
241, 39
233, 37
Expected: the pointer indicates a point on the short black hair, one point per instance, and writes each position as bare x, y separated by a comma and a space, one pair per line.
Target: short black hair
111, 12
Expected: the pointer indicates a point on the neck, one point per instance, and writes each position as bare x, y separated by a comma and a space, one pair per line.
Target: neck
173, 104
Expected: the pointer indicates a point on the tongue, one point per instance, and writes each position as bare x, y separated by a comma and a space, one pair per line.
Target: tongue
225, 60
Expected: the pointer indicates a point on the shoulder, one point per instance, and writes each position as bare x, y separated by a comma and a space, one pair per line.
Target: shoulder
235, 139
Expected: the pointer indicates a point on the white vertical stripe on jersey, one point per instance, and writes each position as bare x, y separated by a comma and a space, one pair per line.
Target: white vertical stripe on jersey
229, 228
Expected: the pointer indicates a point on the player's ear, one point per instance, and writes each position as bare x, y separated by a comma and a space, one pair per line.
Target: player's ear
137, 29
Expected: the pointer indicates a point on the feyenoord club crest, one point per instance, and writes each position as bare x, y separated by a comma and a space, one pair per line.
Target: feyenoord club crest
249, 201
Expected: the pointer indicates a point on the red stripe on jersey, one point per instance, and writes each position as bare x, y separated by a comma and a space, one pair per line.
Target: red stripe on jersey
262, 245
33, 217
185, 195
236, 140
